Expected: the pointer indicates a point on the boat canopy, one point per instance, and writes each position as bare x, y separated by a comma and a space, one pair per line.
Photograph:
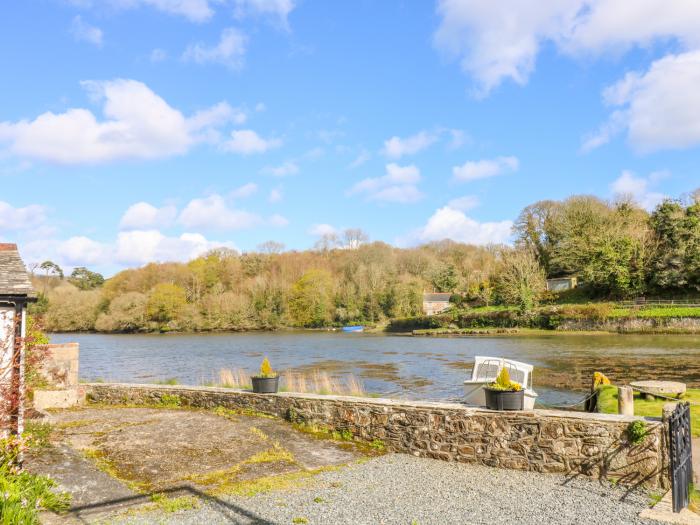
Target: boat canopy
487, 368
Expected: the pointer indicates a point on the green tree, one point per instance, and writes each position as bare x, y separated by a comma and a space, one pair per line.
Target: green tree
535, 229
126, 313
445, 278
84, 279
310, 299
520, 280
676, 230
165, 302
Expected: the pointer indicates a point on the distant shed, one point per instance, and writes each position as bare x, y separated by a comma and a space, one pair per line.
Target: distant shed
15, 292
435, 303
561, 284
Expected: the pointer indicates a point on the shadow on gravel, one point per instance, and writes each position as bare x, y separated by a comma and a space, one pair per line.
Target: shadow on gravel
230, 512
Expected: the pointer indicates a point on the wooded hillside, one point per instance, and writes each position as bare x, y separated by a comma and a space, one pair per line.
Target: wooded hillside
616, 249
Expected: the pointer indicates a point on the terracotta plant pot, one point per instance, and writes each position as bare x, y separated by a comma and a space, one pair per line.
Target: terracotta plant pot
504, 399
265, 385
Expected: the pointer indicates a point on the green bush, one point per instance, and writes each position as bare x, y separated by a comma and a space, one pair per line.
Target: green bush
170, 400
22, 494
636, 432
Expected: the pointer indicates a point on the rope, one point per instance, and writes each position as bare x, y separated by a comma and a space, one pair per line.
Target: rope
589, 396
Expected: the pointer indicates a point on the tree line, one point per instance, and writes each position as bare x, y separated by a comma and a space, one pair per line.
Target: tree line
616, 250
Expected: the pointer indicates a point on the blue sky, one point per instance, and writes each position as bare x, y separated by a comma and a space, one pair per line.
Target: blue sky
140, 130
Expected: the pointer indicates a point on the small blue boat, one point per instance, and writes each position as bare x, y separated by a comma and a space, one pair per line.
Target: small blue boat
357, 328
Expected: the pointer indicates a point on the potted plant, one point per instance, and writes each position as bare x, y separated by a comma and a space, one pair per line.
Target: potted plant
504, 394
268, 380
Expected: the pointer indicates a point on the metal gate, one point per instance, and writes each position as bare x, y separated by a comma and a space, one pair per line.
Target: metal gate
681, 456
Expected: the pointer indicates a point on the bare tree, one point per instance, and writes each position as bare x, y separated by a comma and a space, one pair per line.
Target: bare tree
354, 237
271, 247
326, 242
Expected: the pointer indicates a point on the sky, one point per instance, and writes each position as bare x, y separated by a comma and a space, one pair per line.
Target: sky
134, 131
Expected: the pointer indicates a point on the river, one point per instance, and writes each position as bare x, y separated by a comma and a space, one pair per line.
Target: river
390, 365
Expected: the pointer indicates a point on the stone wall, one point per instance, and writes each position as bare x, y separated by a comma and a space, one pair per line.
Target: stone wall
541, 440
662, 325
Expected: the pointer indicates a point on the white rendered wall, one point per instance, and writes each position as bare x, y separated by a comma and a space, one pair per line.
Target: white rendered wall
7, 340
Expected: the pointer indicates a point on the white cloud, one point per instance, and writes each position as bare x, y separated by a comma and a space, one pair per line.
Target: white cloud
244, 191
24, 218
137, 124
278, 221
500, 40
398, 185
143, 215
82, 251
213, 213
485, 168
361, 159
458, 138
158, 55
450, 223
283, 170
84, 32
638, 188
465, 203
278, 9
396, 147
275, 195
229, 51
322, 229
144, 246
659, 109
248, 142
193, 10
217, 115
497, 40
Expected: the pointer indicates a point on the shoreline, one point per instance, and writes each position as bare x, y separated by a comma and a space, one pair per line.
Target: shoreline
437, 332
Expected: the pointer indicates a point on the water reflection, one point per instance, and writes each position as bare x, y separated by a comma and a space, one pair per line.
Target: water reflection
425, 368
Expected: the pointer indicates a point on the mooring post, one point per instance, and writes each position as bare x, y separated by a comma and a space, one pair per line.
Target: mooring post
625, 401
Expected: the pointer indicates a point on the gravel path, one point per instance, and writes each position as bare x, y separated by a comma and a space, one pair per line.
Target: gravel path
401, 489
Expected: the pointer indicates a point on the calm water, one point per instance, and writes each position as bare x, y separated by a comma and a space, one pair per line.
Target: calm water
408, 367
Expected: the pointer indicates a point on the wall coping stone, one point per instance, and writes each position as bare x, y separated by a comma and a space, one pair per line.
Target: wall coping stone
587, 416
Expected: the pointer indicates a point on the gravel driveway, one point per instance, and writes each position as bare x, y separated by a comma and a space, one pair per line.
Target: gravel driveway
401, 489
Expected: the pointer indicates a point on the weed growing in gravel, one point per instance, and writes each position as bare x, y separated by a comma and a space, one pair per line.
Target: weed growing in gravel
271, 455
108, 466
378, 445
231, 413
39, 433
319, 499
169, 505
300, 520
256, 431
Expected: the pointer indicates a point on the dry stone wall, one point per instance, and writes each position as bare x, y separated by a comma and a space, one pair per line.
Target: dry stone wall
570, 443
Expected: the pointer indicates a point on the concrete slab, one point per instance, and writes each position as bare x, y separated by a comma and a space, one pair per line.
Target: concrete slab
663, 512
111, 459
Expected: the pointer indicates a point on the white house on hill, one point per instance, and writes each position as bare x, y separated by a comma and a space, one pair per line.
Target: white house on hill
435, 303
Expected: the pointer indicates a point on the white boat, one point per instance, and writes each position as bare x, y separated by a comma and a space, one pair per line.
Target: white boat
485, 371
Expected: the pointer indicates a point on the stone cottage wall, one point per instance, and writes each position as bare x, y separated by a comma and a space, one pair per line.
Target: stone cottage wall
570, 443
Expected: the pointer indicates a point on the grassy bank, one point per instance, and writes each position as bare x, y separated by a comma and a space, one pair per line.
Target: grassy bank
577, 317
642, 407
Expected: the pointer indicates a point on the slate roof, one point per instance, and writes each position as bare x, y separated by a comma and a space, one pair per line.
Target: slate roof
14, 279
436, 297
